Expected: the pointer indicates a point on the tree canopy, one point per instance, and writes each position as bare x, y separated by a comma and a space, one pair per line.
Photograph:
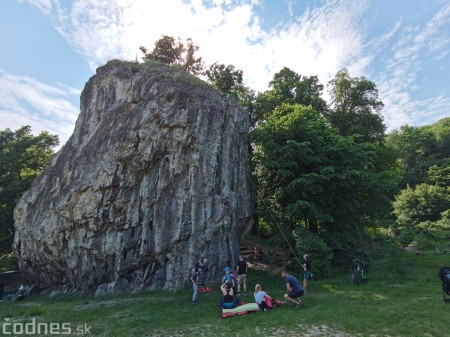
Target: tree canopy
22, 158
311, 176
356, 108
288, 87
170, 50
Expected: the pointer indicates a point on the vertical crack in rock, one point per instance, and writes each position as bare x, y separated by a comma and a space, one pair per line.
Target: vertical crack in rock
153, 177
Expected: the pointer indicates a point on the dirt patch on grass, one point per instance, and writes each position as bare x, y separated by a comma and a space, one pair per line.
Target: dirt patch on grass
300, 331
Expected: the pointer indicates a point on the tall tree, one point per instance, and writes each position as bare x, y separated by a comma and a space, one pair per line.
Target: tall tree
415, 148
288, 87
356, 108
226, 79
309, 175
22, 158
172, 51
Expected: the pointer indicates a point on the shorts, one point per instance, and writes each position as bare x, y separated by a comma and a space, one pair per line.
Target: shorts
307, 275
241, 278
296, 294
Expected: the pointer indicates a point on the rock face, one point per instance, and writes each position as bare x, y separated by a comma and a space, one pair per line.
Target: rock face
155, 175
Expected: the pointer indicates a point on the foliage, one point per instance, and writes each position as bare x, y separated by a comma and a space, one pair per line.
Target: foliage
421, 214
226, 79
356, 108
22, 158
346, 246
423, 203
8, 262
439, 174
415, 149
430, 235
310, 176
172, 51
288, 87
318, 250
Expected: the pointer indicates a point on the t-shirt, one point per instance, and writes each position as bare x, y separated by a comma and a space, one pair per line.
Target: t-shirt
259, 296
242, 267
293, 282
195, 277
307, 264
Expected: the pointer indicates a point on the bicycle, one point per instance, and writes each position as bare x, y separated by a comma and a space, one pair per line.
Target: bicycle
359, 273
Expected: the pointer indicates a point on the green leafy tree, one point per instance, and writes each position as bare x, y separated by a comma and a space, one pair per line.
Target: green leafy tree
308, 175
226, 79
288, 87
415, 148
22, 158
439, 174
229, 81
422, 214
172, 51
192, 64
422, 203
356, 108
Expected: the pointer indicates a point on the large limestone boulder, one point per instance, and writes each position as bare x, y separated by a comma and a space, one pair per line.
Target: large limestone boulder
155, 175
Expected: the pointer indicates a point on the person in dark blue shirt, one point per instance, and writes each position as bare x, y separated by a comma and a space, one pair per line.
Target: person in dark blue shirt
294, 289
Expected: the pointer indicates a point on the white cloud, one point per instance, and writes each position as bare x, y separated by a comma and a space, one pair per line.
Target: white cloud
400, 80
45, 6
322, 40
43, 107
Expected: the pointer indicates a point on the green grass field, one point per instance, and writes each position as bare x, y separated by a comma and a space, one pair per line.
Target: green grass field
403, 297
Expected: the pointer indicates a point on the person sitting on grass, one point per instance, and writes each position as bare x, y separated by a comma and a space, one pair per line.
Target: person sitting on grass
260, 298
228, 301
294, 289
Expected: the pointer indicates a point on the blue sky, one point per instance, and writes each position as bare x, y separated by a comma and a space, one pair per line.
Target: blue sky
50, 49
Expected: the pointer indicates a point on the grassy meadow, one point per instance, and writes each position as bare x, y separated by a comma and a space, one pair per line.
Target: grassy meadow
403, 297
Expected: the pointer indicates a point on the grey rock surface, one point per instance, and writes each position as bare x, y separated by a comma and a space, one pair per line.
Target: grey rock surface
155, 176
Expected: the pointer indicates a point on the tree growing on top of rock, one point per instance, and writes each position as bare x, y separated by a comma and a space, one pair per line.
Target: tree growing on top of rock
173, 51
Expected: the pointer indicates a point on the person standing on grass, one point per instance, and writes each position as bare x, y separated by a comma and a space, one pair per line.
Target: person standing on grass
194, 280
307, 274
241, 275
294, 289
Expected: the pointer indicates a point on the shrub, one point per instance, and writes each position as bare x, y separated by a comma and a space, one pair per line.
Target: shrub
346, 247
8, 262
319, 252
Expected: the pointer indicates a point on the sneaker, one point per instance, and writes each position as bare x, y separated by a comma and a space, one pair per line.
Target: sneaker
194, 302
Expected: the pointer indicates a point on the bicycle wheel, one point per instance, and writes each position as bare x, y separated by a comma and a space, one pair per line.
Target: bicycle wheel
355, 278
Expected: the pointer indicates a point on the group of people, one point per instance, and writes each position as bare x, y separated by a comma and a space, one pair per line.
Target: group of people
234, 282
294, 289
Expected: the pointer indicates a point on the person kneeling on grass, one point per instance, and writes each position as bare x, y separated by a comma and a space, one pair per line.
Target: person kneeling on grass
294, 289
228, 301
